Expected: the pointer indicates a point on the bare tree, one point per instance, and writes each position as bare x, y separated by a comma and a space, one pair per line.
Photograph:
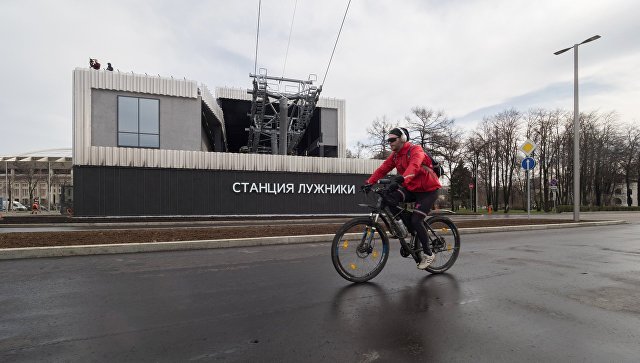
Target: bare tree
564, 163
357, 152
610, 153
430, 127
506, 126
33, 177
474, 145
451, 153
630, 156
378, 133
542, 126
10, 181
486, 137
601, 159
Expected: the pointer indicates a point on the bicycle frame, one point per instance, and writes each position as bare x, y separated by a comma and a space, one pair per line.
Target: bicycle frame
380, 210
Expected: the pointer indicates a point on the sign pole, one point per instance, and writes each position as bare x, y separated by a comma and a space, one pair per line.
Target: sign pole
528, 163
528, 197
475, 182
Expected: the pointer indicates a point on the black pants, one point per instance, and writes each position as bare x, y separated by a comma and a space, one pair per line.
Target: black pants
424, 203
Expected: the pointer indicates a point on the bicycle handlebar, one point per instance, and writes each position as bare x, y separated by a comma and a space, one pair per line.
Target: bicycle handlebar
384, 182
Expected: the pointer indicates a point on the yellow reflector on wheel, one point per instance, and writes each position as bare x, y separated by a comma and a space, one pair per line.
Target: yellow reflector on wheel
375, 253
444, 229
448, 246
353, 266
345, 244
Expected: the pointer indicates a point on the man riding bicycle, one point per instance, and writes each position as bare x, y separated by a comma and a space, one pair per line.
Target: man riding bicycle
416, 182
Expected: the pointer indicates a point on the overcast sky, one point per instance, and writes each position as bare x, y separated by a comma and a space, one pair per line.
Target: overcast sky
469, 58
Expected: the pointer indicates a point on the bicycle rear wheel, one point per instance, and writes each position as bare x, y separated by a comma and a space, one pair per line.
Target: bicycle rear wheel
445, 243
360, 250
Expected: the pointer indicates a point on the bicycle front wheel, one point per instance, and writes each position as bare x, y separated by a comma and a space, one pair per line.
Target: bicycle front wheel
445, 243
360, 250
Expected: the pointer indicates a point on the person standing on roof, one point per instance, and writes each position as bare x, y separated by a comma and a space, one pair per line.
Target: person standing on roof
416, 182
93, 63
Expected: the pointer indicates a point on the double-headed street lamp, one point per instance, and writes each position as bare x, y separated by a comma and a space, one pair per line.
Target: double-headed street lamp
576, 129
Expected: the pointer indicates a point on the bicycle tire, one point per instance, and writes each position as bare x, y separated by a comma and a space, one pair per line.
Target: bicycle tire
445, 243
343, 246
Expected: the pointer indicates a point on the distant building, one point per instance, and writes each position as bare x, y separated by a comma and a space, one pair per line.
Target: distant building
146, 145
37, 176
619, 195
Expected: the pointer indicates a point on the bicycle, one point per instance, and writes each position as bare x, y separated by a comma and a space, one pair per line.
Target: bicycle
360, 248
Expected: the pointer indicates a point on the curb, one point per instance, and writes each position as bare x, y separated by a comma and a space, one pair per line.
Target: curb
103, 249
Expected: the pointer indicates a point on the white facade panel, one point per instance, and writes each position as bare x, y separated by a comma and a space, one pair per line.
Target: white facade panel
233, 93
131, 82
208, 99
181, 159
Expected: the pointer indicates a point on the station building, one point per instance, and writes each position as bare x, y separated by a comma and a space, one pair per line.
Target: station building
154, 146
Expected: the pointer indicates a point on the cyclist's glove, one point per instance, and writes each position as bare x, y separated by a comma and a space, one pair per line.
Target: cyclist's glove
366, 188
396, 183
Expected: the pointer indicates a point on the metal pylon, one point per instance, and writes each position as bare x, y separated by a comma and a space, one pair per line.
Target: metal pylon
300, 98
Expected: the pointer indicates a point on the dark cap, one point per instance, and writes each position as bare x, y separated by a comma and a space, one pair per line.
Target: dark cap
400, 132
396, 132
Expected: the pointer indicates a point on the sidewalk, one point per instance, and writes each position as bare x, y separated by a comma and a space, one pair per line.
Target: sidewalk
61, 251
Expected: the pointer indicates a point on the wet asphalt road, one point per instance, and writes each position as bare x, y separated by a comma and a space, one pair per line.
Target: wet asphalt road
556, 295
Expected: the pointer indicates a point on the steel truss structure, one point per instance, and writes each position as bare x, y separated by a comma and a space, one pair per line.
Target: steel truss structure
279, 129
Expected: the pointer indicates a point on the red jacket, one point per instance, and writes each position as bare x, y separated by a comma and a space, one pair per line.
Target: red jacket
415, 168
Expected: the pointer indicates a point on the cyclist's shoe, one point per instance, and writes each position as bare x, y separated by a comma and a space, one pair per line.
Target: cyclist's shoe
426, 260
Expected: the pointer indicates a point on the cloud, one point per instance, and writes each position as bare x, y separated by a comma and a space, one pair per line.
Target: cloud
465, 57
557, 95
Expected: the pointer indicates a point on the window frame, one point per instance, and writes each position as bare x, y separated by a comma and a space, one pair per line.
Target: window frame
138, 120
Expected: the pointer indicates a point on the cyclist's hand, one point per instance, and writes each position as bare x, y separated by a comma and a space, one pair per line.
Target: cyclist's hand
395, 184
366, 188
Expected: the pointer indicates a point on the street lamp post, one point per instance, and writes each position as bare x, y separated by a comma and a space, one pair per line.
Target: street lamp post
576, 128
475, 206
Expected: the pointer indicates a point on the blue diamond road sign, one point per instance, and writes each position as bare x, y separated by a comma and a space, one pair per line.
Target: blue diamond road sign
528, 163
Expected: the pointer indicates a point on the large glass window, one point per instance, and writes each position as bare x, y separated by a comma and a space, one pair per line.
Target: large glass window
138, 122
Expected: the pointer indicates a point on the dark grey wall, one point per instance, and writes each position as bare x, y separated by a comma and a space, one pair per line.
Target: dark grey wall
180, 124
119, 191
